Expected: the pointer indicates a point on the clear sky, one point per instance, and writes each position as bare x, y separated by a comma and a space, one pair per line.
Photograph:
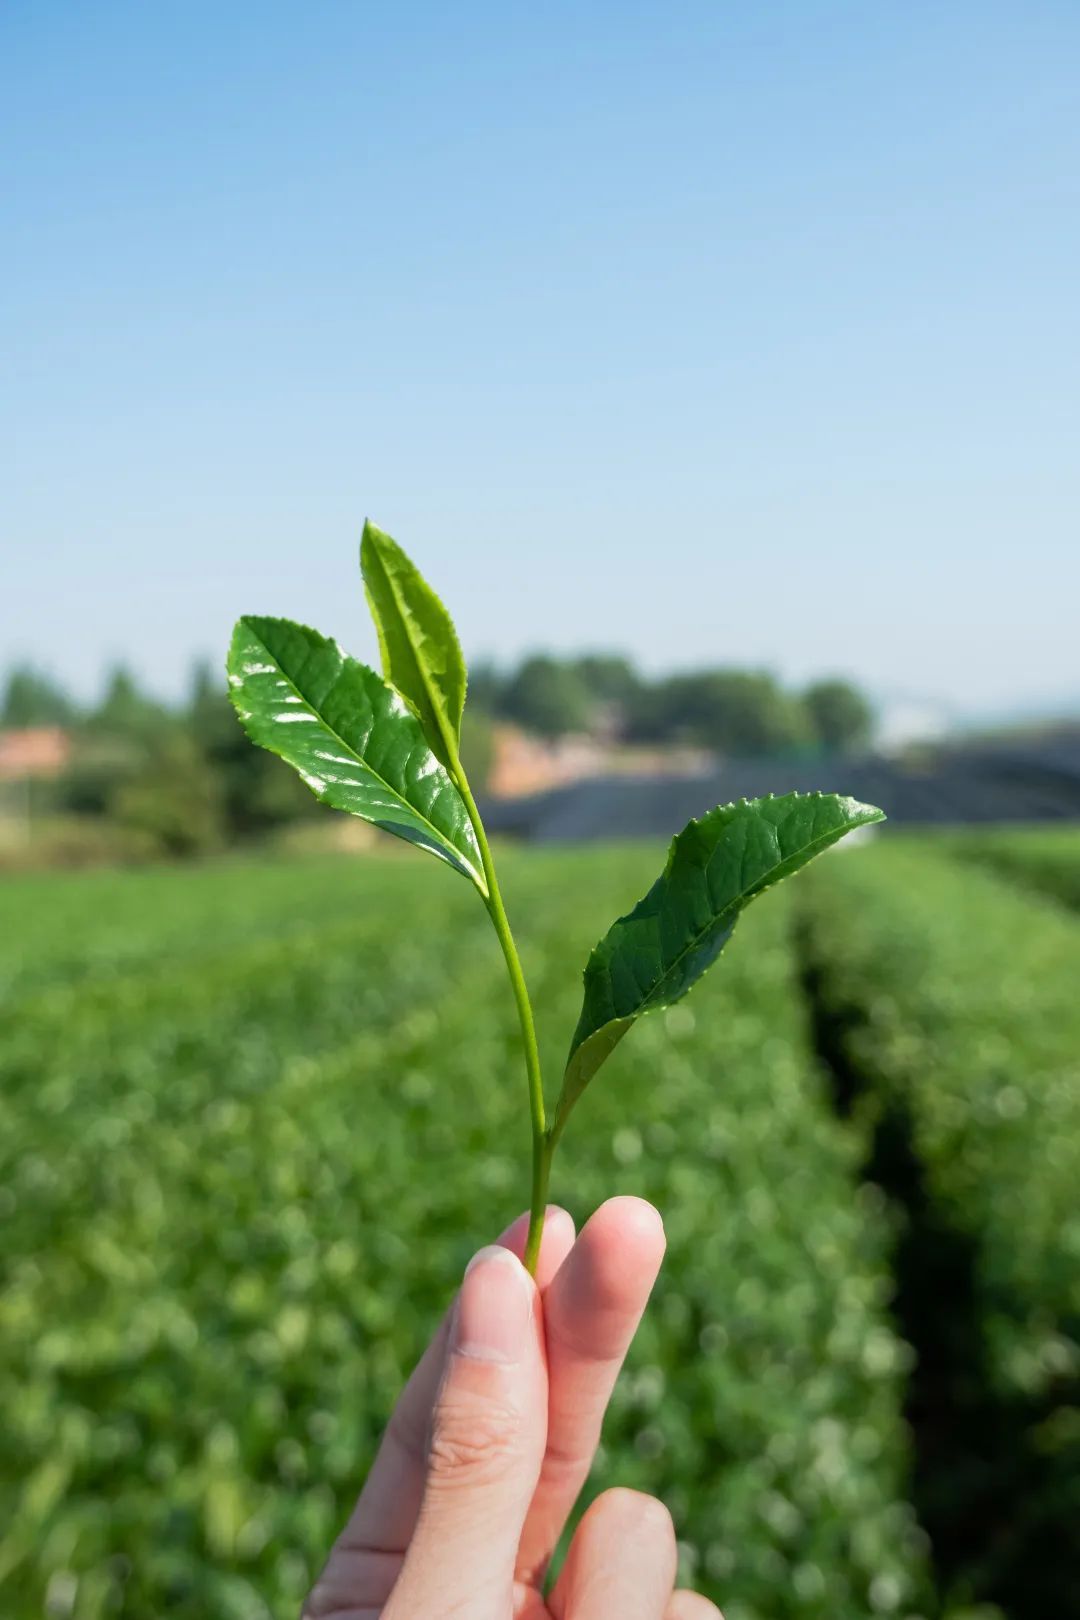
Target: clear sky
715, 332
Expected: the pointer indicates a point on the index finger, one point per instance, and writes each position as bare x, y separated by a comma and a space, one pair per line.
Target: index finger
592, 1308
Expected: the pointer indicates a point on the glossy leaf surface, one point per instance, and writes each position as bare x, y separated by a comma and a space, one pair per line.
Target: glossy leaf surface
353, 739
715, 867
421, 653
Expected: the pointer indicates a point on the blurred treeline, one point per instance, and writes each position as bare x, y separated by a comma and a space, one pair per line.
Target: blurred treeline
736, 712
183, 779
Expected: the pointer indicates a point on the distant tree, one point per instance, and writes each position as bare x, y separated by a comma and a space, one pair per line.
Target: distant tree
34, 699
207, 689
126, 711
738, 712
114, 745
175, 798
609, 677
485, 687
840, 715
100, 765
614, 687
477, 746
647, 716
210, 715
548, 697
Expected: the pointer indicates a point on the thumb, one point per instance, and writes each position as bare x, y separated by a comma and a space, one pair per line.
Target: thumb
488, 1432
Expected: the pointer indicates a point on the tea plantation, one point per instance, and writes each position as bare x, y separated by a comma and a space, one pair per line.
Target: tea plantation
953, 1008
1045, 860
254, 1118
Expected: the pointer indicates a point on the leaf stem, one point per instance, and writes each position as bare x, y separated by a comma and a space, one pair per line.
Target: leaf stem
542, 1146
543, 1151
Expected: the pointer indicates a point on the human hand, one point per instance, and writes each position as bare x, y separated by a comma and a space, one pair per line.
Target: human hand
492, 1440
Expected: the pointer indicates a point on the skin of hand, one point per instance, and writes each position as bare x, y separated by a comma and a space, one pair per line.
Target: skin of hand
493, 1437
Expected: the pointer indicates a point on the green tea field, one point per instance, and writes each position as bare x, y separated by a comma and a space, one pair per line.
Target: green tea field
255, 1117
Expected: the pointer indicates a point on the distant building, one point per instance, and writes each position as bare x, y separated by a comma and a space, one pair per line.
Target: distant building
33, 752
524, 764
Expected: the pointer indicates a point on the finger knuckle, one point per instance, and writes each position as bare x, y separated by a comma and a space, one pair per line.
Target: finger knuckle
472, 1443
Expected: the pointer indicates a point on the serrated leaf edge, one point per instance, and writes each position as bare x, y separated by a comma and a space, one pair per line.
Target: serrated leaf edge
653, 1003
833, 836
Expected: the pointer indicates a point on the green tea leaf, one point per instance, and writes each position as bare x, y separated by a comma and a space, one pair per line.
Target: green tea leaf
715, 867
353, 739
421, 654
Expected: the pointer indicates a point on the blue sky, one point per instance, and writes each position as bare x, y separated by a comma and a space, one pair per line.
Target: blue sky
715, 332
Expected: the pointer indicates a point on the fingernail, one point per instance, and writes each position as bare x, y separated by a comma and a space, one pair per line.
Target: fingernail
493, 1320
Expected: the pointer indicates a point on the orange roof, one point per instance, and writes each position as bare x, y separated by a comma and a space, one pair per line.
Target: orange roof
33, 751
